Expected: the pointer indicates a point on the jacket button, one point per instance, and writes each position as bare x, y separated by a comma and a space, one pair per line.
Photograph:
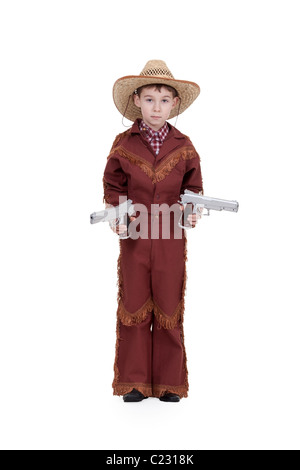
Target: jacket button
157, 196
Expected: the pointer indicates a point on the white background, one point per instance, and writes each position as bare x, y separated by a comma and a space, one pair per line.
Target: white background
59, 60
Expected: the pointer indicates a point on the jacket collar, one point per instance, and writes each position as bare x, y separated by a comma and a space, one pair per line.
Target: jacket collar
169, 143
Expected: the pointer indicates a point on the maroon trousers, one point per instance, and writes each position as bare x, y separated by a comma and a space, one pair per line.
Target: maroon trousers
150, 351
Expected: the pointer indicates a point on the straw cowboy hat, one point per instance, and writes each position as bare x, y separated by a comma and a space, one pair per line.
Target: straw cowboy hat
155, 71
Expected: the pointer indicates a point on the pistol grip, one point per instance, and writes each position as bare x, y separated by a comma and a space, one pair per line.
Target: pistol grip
124, 220
188, 209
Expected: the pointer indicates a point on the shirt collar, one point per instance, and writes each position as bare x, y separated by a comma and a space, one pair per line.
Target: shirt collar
173, 131
150, 133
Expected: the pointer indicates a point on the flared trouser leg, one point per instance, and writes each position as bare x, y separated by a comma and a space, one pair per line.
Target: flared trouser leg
133, 363
169, 369
150, 358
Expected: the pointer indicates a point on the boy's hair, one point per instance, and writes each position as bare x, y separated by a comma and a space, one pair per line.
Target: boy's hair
157, 86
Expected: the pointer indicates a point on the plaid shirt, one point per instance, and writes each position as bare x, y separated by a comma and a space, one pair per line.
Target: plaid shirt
155, 138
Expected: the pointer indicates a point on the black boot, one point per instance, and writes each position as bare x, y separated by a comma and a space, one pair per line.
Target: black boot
171, 397
134, 396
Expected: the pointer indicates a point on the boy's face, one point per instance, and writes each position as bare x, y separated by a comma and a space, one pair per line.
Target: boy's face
155, 105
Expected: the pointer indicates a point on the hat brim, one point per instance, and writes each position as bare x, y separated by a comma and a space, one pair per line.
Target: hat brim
124, 87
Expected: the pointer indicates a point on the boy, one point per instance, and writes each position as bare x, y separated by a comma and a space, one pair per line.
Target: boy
151, 163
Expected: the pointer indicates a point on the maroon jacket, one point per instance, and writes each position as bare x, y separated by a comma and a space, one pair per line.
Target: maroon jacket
133, 170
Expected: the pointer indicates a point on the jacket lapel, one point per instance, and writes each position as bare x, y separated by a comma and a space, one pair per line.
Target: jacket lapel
171, 143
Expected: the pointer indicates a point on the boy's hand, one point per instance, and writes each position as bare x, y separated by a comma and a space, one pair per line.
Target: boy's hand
120, 229
193, 218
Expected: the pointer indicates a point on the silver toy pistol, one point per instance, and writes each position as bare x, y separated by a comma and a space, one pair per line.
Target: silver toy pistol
193, 202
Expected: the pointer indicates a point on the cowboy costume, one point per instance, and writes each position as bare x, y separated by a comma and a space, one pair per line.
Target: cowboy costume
151, 168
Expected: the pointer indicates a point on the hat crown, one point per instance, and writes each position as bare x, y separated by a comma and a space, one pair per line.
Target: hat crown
156, 68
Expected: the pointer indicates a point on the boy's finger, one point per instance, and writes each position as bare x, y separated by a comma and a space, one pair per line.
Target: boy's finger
121, 228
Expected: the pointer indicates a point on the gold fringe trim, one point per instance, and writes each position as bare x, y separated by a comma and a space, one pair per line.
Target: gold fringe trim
167, 321
143, 164
159, 390
184, 276
117, 140
116, 370
164, 168
150, 390
120, 294
129, 319
123, 388
119, 273
106, 198
182, 313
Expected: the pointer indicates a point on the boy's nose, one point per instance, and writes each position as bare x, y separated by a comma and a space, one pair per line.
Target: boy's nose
156, 106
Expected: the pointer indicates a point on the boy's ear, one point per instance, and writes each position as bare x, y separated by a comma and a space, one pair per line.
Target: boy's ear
137, 100
175, 101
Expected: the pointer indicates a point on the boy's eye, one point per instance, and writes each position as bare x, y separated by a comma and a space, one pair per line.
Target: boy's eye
150, 99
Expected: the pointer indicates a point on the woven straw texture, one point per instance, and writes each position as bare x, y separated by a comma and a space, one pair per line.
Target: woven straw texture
155, 71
